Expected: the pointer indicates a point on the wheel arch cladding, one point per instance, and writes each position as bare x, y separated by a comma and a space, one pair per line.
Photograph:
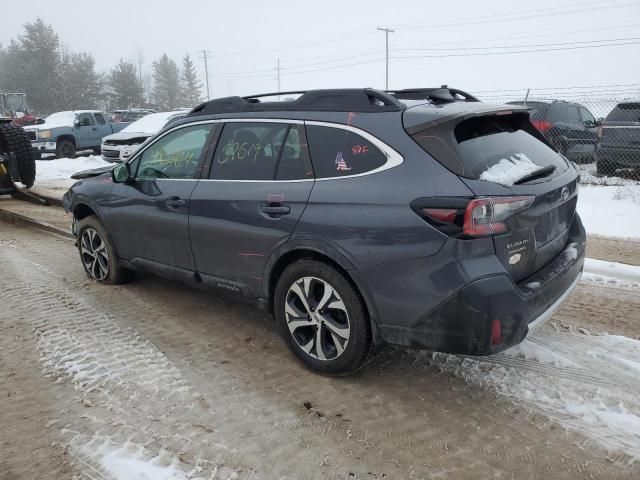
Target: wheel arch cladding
346, 270
82, 210
71, 138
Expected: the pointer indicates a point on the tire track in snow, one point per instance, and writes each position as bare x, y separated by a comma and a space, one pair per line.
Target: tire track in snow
588, 383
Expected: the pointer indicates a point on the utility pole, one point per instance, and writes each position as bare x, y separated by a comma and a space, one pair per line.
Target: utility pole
386, 31
278, 69
205, 56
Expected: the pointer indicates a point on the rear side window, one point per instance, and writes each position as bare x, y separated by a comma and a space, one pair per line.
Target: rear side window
489, 142
336, 152
100, 119
294, 162
625, 112
248, 151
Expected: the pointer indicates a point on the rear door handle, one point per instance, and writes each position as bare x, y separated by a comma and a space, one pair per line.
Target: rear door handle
276, 210
175, 202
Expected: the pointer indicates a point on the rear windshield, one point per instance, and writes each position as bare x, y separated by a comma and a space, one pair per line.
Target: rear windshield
498, 148
625, 112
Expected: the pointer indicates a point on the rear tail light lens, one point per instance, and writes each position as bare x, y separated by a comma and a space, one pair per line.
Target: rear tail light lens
480, 217
542, 125
496, 333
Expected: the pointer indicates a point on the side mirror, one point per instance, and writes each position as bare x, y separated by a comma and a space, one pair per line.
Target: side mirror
76, 123
40, 121
599, 121
121, 173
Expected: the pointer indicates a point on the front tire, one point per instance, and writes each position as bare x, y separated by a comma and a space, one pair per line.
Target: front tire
65, 149
322, 318
99, 259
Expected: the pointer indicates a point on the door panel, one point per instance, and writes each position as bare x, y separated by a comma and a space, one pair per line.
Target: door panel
242, 214
149, 216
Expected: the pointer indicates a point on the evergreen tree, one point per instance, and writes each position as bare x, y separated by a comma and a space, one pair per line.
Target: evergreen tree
166, 83
191, 88
79, 84
126, 89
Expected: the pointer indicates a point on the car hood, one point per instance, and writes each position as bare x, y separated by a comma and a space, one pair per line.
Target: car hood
45, 126
94, 172
127, 136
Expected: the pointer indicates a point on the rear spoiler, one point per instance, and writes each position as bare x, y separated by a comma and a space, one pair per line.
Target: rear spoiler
463, 114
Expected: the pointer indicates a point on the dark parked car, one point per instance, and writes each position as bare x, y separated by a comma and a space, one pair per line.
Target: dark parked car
619, 145
128, 116
420, 217
570, 127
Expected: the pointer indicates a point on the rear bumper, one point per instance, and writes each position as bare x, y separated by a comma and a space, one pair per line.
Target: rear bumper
625, 157
463, 322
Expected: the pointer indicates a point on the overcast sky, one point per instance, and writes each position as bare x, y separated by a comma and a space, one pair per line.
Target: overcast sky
329, 43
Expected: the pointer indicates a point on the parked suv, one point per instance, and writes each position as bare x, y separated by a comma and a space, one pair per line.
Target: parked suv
570, 127
421, 218
619, 145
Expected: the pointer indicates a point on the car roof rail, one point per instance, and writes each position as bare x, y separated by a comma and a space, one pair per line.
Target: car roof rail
340, 100
363, 100
442, 94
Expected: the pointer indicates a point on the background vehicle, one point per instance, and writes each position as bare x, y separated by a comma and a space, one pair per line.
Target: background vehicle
619, 145
16, 159
130, 115
14, 106
419, 217
570, 127
119, 146
64, 133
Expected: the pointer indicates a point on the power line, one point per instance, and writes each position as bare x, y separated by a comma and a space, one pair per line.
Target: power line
205, 56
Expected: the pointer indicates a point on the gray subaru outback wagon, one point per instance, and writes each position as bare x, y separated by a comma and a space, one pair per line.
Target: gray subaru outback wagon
358, 217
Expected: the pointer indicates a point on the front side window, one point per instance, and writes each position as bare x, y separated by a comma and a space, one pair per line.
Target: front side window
85, 120
249, 151
573, 118
587, 118
176, 155
336, 152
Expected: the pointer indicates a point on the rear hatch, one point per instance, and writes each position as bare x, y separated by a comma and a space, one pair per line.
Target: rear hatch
526, 193
621, 128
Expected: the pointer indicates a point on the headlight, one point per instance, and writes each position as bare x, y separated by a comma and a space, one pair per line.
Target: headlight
44, 134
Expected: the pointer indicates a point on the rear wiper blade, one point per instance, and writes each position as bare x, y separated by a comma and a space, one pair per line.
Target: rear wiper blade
539, 173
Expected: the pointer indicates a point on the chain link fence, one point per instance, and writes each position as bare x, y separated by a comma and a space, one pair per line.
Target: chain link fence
599, 130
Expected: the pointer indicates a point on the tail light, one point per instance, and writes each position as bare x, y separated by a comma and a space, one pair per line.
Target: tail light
471, 218
542, 125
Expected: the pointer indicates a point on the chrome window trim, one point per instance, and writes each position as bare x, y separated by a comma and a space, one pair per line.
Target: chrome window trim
393, 157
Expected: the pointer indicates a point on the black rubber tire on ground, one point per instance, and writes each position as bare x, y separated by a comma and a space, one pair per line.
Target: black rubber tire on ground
116, 274
65, 149
15, 140
606, 168
359, 345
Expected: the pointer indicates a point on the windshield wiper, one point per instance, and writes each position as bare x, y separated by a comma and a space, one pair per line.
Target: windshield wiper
539, 173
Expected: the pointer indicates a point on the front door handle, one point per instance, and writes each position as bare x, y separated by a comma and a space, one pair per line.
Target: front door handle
276, 210
175, 202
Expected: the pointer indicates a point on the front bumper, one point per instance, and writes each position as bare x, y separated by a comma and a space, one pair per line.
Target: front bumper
44, 147
464, 322
117, 153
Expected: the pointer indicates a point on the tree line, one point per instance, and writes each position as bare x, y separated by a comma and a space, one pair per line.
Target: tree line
56, 79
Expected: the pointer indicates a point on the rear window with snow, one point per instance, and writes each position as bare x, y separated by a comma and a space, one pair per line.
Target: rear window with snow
498, 148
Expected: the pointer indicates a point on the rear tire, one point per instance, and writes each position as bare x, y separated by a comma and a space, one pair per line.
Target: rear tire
98, 256
65, 149
322, 318
15, 140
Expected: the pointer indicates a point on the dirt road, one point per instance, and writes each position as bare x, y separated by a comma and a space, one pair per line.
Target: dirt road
155, 377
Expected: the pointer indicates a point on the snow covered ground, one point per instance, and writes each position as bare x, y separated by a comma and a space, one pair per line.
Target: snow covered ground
611, 274
60, 170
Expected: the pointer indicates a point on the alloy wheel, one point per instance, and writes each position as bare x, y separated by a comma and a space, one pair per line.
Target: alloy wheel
94, 254
317, 318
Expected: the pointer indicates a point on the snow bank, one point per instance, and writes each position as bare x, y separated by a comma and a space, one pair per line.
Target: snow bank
509, 170
612, 211
63, 168
611, 274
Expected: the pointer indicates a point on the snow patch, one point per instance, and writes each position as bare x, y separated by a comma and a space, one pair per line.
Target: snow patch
610, 210
509, 170
63, 168
611, 274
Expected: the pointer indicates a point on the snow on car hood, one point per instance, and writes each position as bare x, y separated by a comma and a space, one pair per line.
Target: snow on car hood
122, 135
59, 119
509, 170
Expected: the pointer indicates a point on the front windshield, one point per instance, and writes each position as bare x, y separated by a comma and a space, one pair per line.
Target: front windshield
61, 118
151, 123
